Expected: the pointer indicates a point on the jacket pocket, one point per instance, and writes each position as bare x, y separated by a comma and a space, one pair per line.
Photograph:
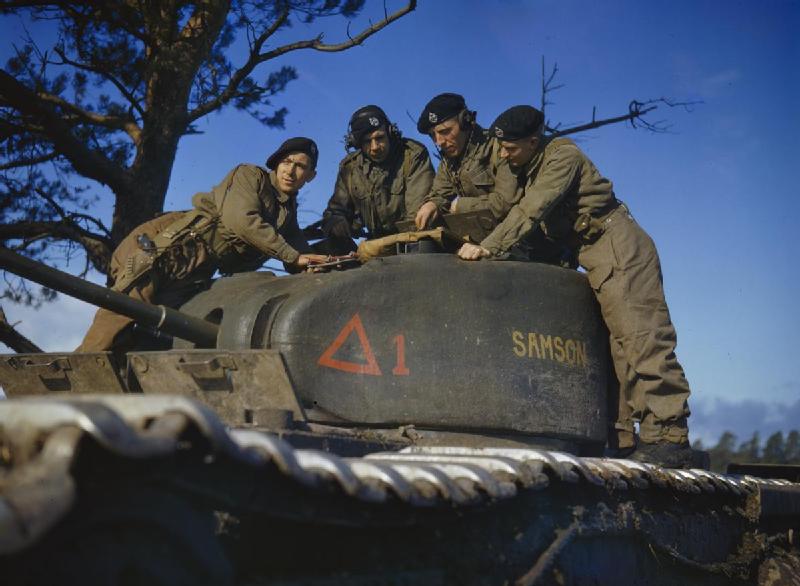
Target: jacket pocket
599, 275
482, 182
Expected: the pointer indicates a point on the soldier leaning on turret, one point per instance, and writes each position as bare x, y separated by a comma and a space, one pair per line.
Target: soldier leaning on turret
558, 181
379, 184
472, 176
249, 217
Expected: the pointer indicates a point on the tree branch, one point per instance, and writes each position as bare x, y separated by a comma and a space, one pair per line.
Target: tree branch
256, 57
28, 162
135, 104
70, 217
241, 74
88, 162
13, 339
318, 45
98, 248
636, 112
547, 84
8, 4
113, 122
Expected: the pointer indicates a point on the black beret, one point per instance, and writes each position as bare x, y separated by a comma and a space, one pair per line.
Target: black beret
518, 122
298, 144
366, 120
441, 108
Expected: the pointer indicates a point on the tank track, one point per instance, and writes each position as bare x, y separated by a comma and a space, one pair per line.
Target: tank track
48, 446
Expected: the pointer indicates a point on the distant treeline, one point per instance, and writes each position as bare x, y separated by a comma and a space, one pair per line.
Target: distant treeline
776, 450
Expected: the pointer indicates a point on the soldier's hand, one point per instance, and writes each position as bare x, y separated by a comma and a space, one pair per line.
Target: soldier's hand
309, 260
472, 252
454, 206
427, 213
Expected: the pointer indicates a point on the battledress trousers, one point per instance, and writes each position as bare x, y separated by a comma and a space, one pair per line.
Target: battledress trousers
623, 269
157, 287
625, 273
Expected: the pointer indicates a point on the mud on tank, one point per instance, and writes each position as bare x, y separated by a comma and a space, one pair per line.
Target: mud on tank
417, 420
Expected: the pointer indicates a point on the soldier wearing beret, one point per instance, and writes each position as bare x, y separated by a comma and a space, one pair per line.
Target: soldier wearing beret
380, 183
249, 217
557, 180
471, 175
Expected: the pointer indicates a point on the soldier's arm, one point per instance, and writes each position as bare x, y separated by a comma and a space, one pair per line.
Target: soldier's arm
442, 191
418, 182
504, 195
558, 175
294, 235
337, 219
437, 202
241, 214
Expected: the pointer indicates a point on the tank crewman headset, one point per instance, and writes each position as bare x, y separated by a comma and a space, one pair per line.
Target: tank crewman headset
364, 121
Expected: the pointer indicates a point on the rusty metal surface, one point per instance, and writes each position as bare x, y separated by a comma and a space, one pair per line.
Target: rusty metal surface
242, 387
40, 437
60, 372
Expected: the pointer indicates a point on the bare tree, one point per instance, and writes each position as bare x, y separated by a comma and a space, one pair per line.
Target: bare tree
635, 116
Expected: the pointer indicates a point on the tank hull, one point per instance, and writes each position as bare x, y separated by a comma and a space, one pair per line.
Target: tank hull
154, 490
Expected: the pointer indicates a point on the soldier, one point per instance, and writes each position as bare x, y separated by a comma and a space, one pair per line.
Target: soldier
472, 176
623, 269
470, 166
249, 217
381, 183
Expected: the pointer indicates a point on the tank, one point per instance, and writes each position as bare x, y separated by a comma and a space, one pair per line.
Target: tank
415, 420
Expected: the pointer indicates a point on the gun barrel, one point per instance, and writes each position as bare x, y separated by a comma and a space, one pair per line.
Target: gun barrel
168, 320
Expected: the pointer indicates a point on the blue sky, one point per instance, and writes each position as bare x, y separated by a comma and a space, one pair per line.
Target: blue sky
717, 194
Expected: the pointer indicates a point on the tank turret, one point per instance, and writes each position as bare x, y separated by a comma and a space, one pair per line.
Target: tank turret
484, 352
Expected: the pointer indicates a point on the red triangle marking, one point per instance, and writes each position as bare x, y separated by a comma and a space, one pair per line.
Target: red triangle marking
327, 359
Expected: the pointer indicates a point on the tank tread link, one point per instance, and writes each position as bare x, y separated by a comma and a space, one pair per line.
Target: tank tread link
86, 483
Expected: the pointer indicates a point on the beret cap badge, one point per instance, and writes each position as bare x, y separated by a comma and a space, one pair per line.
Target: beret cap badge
440, 109
298, 144
518, 122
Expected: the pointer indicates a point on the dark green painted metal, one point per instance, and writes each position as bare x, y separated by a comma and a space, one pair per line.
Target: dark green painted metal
431, 340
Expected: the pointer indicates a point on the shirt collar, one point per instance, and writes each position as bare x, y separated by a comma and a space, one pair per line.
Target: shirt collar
531, 168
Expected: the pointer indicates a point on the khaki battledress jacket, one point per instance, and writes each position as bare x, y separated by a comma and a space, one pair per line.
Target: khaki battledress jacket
256, 221
378, 195
624, 271
235, 227
479, 178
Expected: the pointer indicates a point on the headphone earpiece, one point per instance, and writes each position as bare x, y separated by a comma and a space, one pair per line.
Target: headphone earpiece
466, 118
349, 140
